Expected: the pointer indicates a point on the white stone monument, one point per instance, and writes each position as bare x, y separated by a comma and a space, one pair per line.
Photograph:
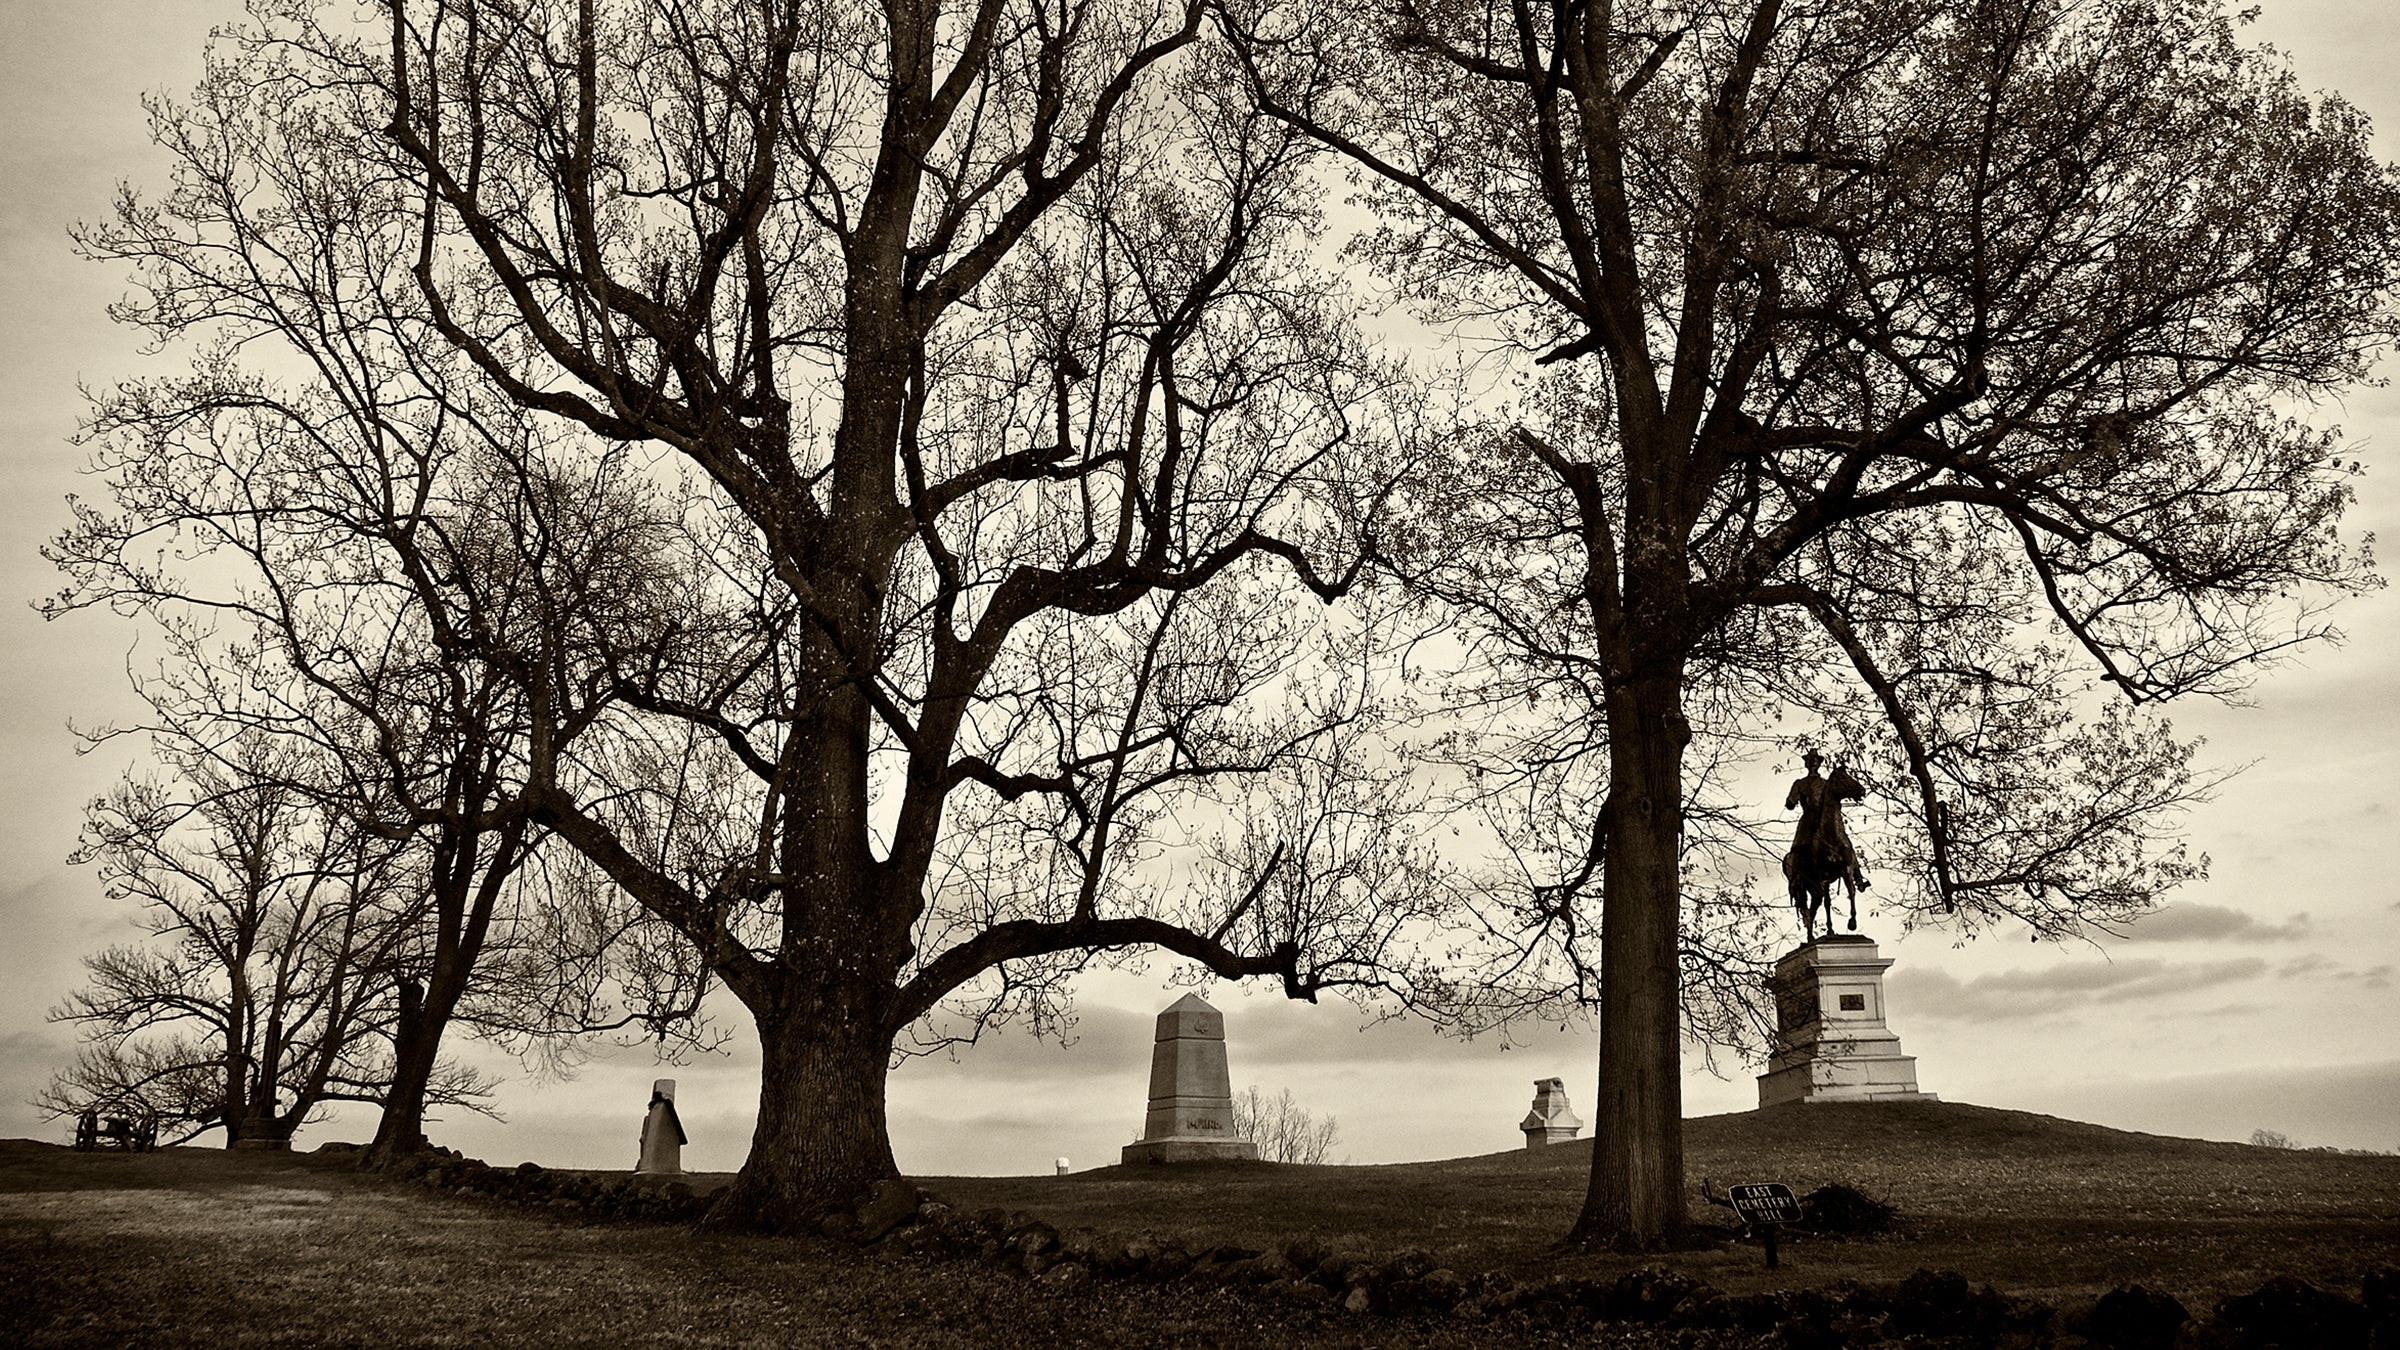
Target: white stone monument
1551, 1121
1831, 1044
1191, 1091
662, 1134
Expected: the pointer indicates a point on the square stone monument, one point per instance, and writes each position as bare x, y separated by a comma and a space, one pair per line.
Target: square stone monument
1191, 1091
1551, 1121
1831, 1044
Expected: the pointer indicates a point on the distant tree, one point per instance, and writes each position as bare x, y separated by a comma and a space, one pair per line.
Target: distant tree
2273, 1139
1913, 372
262, 995
1284, 1131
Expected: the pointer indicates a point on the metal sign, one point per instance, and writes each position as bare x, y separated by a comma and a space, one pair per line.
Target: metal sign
1764, 1202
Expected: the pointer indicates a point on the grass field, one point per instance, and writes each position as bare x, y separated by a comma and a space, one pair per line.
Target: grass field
193, 1247
2032, 1204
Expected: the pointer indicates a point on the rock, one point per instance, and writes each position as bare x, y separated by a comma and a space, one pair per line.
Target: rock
2286, 1311
1648, 1294
1306, 1253
1357, 1300
1296, 1293
887, 1203
1265, 1268
1705, 1308
1438, 1289
1928, 1302
840, 1225
337, 1146
1081, 1245
1066, 1275
1030, 1235
2131, 1317
1333, 1270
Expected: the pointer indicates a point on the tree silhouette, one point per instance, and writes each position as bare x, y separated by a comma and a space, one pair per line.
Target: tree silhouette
1910, 368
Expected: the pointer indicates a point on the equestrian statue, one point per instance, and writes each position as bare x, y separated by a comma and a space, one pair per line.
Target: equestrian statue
1821, 852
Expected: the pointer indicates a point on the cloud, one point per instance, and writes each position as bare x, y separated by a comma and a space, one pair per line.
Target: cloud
2212, 923
2180, 1016
2026, 993
2316, 967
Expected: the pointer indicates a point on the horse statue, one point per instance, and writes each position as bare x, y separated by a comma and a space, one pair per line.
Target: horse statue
1821, 852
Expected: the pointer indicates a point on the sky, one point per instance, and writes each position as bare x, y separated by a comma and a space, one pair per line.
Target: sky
2262, 998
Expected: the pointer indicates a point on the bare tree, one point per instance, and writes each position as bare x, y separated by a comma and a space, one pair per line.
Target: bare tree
1910, 368
1018, 408
372, 556
1284, 1130
262, 995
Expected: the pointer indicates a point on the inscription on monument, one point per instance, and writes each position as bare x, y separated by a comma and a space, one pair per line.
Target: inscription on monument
1854, 1003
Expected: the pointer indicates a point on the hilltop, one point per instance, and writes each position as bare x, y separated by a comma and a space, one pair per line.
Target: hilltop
2031, 1203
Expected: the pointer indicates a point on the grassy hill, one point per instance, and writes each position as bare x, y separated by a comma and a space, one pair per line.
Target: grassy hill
2036, 1205
203, 1247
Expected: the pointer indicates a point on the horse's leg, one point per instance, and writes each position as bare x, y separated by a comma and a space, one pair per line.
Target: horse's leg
1853, 907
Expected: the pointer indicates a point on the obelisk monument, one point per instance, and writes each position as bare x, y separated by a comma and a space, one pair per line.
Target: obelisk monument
1191, 1091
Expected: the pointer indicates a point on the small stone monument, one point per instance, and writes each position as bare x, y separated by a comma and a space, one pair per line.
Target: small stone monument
1831, 1044
1191, 1091
1551, 1121
662, 1134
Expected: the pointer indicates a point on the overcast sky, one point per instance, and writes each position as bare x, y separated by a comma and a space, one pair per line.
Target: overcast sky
2262, 998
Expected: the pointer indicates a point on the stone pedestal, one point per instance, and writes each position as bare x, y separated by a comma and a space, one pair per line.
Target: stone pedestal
1831, 1044
1191, 1091
1551, 1121
662, 1134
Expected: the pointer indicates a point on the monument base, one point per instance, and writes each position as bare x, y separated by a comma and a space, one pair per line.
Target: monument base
1190, 1150
1884, 1079
1831, 1043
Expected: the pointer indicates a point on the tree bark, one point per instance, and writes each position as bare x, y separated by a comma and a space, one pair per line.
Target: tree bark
416, 1043
822, 1135
1636, 1196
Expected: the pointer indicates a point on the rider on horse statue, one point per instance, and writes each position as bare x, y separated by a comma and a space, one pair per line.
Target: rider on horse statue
1821, 852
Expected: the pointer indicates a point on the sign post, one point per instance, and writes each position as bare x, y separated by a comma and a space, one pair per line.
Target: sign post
1765, 1205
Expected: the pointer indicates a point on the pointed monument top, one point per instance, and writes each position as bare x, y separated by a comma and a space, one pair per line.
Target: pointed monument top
1191, 1018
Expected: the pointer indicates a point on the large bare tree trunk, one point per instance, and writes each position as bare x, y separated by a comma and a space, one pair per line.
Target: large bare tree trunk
822, 1137
416, 1044
1636, 1197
